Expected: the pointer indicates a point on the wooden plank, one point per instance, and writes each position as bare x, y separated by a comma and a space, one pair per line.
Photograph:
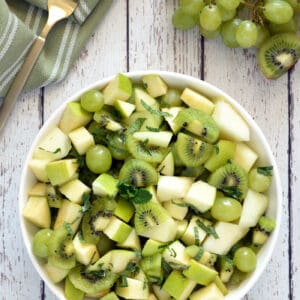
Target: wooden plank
18, 279
154, 44
104, 55
236, 72
294, 185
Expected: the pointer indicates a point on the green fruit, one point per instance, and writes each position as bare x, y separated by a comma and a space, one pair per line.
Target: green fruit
154, 85
61, 252
191, 151
117, 230
171, 98
117, 146
98, 159
150, 120
231, 179
138, 173
226, 209
278, 54
245, 259
71, 292
40, 242
259, 182
92, 282
92, 100
151, 265
199, 123
226, 269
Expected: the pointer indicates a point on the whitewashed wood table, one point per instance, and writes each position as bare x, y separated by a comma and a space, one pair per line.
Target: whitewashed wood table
138, 35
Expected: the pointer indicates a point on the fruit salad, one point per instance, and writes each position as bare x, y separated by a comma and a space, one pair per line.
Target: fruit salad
147, 191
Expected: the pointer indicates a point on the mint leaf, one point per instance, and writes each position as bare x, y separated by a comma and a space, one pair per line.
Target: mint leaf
86, 203
232, 191
136, 125
152, 129
155, 111
68, 228
54, 152
266, 171
208, 229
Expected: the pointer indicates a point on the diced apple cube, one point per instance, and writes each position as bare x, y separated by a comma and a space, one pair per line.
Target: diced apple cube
38, 167
166, 167
176, 208
173, 112
135, 289
81, 139
244, 156
175, 254
154, 85
105, 185
124, 108
132, 241
160, 139
74, 190
210, 292
39, 189
55, 274
141, 97
117, 230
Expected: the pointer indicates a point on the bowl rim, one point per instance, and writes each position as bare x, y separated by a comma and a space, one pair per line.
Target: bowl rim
240, 291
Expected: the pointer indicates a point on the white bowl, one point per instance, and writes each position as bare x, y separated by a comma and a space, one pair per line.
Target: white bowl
258, 143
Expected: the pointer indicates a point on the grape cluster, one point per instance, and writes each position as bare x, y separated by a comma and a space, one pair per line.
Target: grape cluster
241, 23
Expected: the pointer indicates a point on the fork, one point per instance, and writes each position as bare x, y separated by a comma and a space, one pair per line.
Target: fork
57, 10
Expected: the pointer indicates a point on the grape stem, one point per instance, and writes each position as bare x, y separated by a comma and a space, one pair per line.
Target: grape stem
256, 10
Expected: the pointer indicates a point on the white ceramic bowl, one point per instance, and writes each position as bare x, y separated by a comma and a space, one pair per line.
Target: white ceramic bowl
258, 143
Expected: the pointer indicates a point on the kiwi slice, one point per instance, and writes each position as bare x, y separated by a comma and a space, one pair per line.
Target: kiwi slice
96, 219
92, 282
149, 216
191, 151
144, 151
151, 121
199, 123
138, 173
53, 197
192, 171
61, 253
231, 179
278, 54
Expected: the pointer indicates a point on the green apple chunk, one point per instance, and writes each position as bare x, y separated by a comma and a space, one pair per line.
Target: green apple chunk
228, 235
167, 167
200, 273
224, 150
154, 85
70, 213
159, 139
221, 286
134, 289
82, 140
74, 190
105, 185
85, 252
55, 145
54, 273
124, 210
172, 114
201, 195
38, 167
110, 296
152, 247
141, 96
237, 129
61, 171
124, 108
254, 206
181, 228
160, 293
105, 120
132, 241
194, 234
178, 286
74, 117
37, 211
166, 190
71, 292
39, 189
176, 209
196, 100
210, 292
119, 88
104, 262
120, 259
244, 156
174, 254
117, 230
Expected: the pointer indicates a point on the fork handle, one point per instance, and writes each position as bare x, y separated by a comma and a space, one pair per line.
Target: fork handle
20, 80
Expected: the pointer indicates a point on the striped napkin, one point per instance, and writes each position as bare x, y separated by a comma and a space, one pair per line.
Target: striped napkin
21, 22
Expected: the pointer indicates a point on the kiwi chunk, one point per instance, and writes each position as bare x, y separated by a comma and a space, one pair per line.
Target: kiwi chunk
97, 218
138, 173
191, 151
231, 179
61, 250
92, 282
144, 151
53, 197
278, 54
199, 123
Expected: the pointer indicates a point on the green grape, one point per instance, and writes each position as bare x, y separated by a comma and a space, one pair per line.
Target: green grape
229, 4
226, 209
228, 31
171, 98
182, 20
98, 159
210, 18
278, 11
292, 3
92, 100
258, 182
290, 26
245, 259
40, 242
246, 34
226, 14
262, 35
209, 34
192, 7
116, 145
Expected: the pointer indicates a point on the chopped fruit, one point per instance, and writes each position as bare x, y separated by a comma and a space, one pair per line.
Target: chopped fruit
210, 292
105, 185
81, 139
166, 167
74, 190
38, 167
119, 88
176, 209
154, 85
196, 100
54, 273
152, 247
39, 189
110, 296
132, 241
172, 112
117, 230
133, 289
71, 292
160, 293
124, 108
74, 117
181, 228
159, 139
37, 211
124, 210
143, 100
244, 156
174, 254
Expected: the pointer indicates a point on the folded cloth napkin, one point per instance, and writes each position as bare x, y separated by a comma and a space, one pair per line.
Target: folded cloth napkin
21, 22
